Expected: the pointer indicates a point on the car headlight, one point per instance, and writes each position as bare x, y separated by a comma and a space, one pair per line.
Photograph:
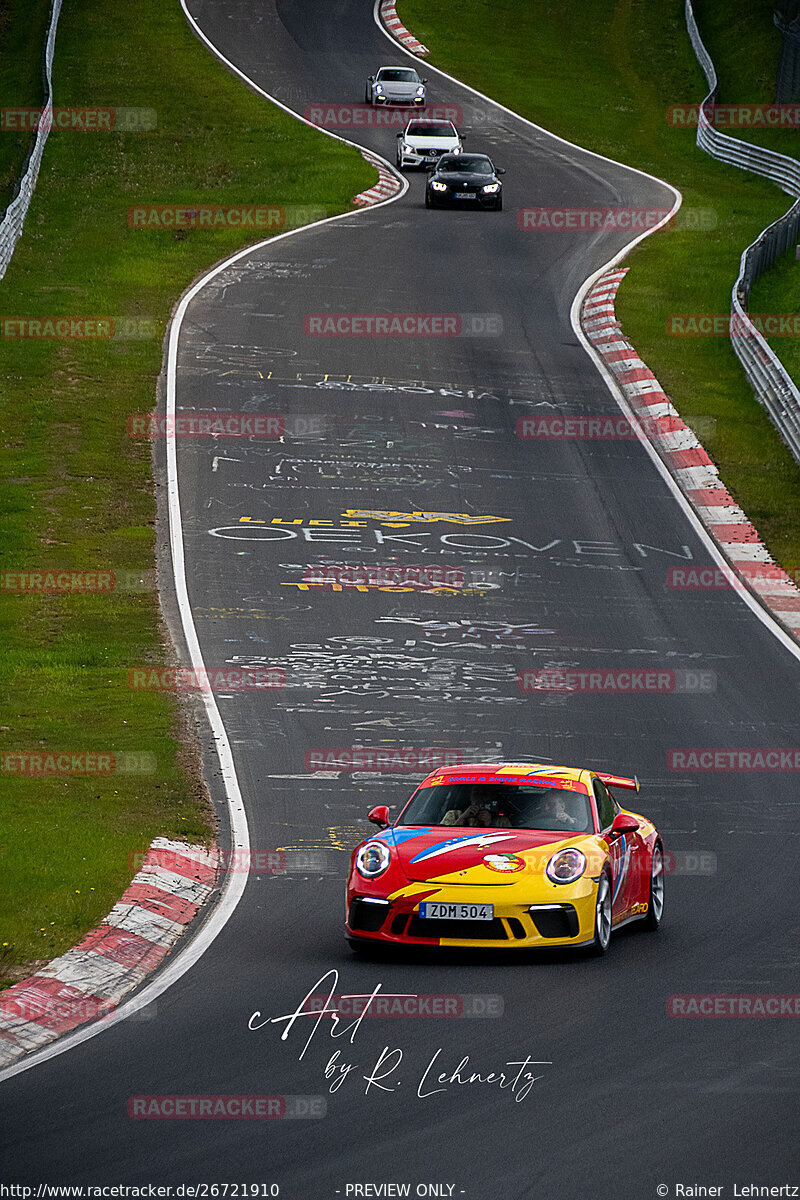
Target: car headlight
378, 87
438, 187
491, 187
407, 149
372, 859
420, 90
566, 866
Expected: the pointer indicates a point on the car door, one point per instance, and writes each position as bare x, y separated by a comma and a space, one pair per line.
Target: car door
623, 853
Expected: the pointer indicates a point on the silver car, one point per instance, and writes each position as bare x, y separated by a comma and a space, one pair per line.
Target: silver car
395, 85
422, 143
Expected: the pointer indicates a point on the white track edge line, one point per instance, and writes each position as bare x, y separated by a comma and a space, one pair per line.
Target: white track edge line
234, 888
766, 619
700, 530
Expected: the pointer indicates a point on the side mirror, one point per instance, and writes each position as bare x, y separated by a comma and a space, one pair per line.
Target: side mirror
423, 81
399, 135
499, 170
623, 823
462, 137
379, 816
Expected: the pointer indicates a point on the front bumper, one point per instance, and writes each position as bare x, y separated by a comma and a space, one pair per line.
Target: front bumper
563, 918
384, 99
450, 200
417, 158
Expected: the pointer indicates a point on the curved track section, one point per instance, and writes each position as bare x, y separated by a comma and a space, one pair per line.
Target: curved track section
564, 548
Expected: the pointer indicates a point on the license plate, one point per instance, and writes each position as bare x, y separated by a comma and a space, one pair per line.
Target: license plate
465, 195
456, 912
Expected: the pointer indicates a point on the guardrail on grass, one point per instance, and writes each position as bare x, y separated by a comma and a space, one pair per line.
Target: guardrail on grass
14, 218
770, 381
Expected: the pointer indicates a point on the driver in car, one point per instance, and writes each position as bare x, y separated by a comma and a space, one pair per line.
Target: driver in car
476, 812
552, 807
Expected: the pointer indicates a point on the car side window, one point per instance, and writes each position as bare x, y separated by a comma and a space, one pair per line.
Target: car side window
606, 810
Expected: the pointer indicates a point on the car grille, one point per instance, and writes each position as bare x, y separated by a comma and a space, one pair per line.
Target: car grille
559, 922
431, 151
367, 917
443, 928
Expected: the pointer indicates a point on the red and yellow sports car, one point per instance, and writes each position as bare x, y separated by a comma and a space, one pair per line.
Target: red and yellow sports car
515, 855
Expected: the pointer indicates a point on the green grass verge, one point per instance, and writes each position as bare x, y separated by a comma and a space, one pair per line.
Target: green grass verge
23, 32
603, 76
78, 492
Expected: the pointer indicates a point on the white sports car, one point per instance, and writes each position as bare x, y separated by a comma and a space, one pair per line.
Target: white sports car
424, 142
395, 85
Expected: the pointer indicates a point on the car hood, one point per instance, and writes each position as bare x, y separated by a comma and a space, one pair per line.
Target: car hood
422, 139
399, 89
459, 177
469, 855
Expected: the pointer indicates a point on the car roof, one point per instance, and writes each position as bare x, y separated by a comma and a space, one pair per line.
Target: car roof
468, 154
506, 772
396, 67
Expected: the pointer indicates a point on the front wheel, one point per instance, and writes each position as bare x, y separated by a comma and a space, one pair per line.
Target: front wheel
655, 906
428, 201
602, 917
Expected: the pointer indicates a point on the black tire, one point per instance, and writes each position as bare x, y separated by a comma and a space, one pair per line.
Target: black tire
428, 201
499, 206
602, 919
655, 906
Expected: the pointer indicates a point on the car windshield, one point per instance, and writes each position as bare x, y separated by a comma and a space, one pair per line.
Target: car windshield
514, 806
428, 129
476, 163
397, 75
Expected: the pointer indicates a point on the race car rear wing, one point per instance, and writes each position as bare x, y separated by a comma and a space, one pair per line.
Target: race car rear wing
619, 781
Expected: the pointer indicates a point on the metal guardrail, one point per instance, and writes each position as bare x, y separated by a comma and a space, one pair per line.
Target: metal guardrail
787, 84
14, 219
769, 379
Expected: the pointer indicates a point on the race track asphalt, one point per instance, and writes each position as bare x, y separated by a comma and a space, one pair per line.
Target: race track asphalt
577, 553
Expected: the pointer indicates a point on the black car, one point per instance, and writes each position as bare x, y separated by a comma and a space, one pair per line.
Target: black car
465, 179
